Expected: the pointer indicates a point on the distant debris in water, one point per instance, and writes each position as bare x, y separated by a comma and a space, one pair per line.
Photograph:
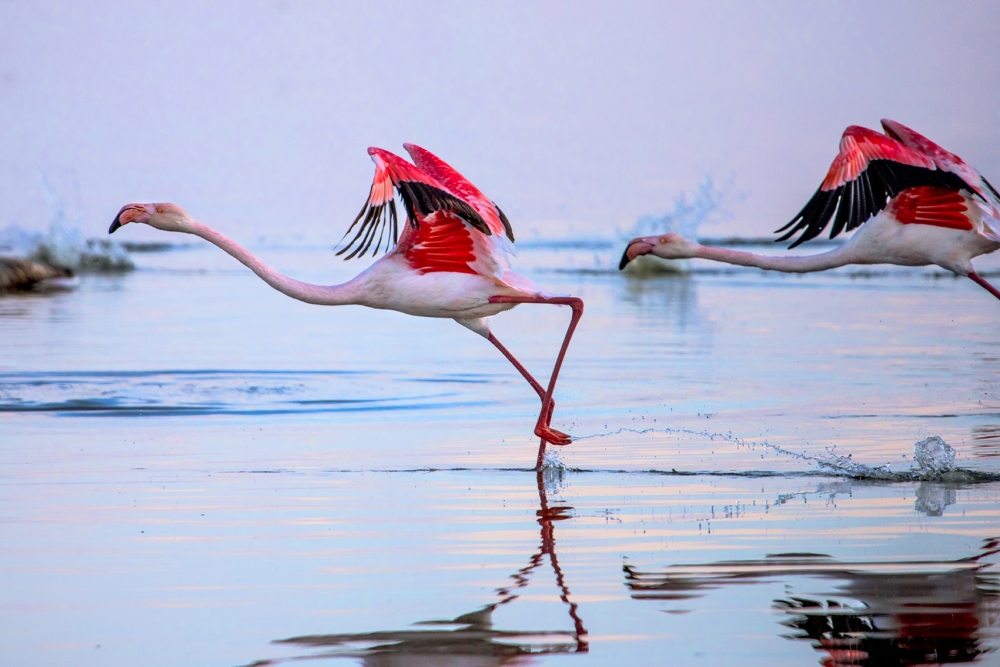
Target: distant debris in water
17, 273
152, 246
65, 245
83, 255
66, 248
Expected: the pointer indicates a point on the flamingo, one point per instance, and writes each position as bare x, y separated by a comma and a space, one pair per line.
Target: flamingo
915, 203
450, 261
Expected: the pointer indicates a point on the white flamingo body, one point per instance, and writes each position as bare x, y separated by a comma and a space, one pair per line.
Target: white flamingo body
450, 261
392, 284
885, 240
912, 202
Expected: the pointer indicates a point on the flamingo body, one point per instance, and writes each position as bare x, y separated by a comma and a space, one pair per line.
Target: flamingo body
898, 236
391, 283
912, 202
449, 260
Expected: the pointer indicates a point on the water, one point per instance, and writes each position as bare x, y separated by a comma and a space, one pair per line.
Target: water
64, 245
197, 470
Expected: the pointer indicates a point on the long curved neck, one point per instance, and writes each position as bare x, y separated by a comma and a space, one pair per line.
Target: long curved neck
332, 295
794, 264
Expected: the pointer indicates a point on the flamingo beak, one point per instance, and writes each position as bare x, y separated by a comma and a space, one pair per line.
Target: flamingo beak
635, 248
126, 215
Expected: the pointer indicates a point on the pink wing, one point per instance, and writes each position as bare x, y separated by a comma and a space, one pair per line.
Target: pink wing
422, 196
859, 146
458, 185
944, 160
869, 171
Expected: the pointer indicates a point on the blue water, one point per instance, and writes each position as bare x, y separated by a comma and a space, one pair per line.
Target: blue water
197, 470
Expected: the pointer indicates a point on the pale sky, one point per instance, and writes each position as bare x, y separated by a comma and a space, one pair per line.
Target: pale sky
576, 117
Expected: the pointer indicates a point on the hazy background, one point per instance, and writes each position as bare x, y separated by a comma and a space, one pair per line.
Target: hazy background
576, 117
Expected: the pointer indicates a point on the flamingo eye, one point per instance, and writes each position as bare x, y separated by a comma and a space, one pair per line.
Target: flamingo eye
663, 239
159, 209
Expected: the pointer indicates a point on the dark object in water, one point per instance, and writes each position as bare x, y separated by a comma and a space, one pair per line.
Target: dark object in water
17, 273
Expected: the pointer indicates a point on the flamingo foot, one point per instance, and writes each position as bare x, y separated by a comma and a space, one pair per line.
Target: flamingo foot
552, 436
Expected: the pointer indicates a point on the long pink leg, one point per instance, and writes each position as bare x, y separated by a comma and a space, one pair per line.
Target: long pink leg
521, 369
985, 285
542, 429
527, 376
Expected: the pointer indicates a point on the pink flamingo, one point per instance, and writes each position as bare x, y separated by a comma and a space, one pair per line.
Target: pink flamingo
929, 207
450, 260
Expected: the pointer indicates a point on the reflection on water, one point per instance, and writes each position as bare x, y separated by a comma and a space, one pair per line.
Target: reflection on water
139, 413
468, 639
932, 499
674, 297
893, 612
986, 440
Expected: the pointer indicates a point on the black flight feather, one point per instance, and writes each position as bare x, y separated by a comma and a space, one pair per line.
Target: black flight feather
419, 200
505, 221
855, 202
991, 188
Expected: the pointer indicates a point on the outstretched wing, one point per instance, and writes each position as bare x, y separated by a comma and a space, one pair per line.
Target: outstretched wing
943, 159
422, 195
870, 169
459, 186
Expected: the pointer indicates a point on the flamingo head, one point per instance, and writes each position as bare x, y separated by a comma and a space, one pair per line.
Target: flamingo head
668, 246
167, 217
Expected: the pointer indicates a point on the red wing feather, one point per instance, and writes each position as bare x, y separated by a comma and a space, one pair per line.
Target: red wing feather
931, 206
442, 243
460, 186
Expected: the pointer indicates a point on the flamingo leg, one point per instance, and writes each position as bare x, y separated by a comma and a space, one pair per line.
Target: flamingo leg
520, 369
542, 429
985, 285
527, 376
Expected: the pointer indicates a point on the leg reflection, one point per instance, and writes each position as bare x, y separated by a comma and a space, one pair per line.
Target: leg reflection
474, 641
546, 516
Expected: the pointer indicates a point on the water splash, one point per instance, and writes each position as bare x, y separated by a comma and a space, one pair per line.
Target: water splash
691, 210
553, 471
65, 245
935, 458
707, 204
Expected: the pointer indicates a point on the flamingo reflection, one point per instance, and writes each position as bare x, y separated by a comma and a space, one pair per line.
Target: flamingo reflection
474, 642
884, 614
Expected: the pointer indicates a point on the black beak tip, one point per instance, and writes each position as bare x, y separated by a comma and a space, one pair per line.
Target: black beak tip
115, 225
625, 259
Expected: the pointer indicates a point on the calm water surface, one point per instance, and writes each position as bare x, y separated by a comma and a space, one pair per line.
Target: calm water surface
197, 470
